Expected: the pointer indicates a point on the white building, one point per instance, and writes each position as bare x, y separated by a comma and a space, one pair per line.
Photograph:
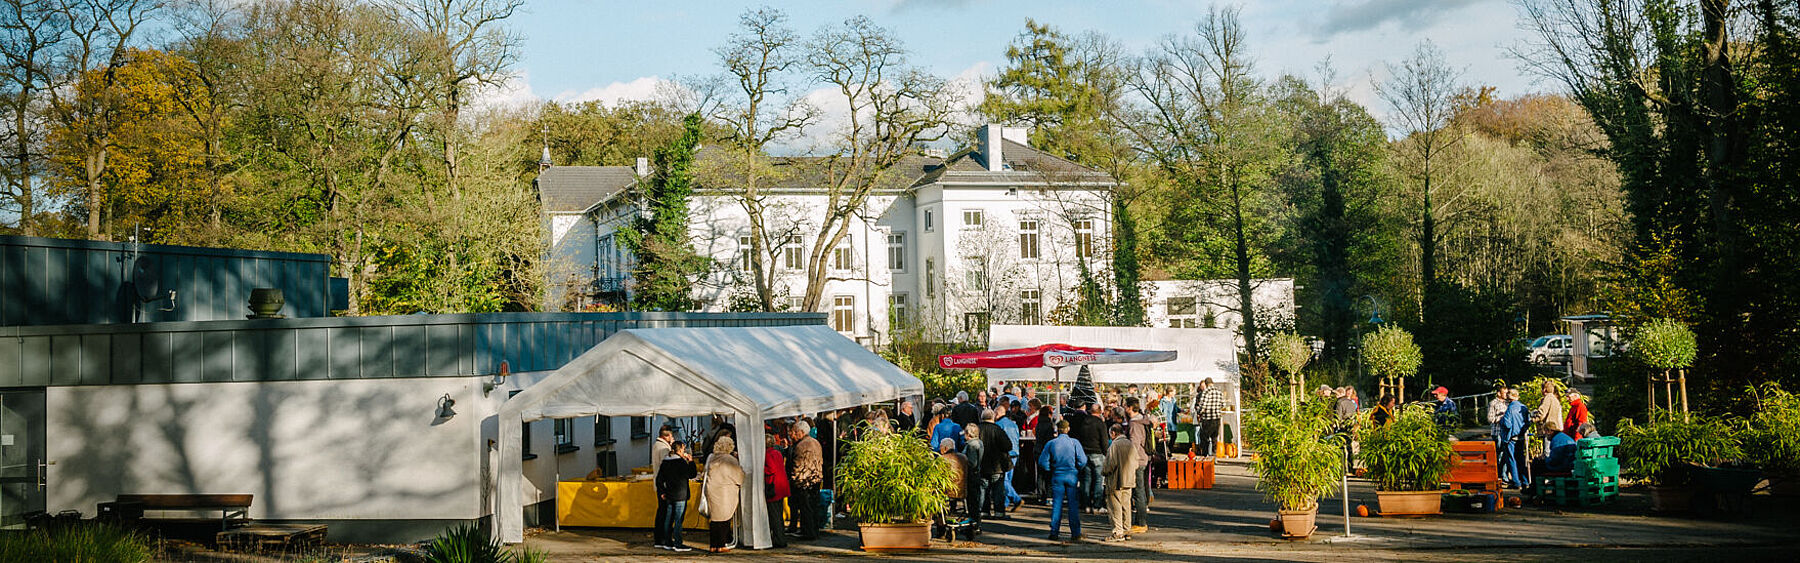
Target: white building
1214, 303
569, 196
994, 233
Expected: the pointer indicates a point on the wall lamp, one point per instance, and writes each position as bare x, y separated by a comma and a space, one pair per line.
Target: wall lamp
444, 404
499, 378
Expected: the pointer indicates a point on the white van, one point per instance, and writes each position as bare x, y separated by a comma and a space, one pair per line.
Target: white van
1550, 349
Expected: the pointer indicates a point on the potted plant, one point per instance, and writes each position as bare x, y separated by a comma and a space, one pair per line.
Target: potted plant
1392, 356
1407, 459
1289, 353
1666, 346
893, 485
1771, 438
1666, 450
1298, 459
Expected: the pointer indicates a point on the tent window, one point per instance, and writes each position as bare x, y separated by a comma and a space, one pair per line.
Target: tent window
603, 431
640, 427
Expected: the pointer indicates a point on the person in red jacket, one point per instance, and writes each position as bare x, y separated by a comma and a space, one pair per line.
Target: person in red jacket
775, 491
1578, 415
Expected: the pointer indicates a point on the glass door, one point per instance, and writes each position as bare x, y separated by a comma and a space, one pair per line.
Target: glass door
21, 455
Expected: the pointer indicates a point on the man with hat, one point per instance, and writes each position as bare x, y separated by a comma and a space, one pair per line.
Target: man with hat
1445, 415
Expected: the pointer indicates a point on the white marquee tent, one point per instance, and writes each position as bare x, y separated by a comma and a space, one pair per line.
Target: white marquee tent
1201, 353
752, 374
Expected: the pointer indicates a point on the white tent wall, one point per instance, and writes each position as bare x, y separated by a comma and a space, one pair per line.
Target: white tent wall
1201, 353
754, 374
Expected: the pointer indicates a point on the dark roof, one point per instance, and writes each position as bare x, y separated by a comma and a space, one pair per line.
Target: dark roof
573, 189
1023, 164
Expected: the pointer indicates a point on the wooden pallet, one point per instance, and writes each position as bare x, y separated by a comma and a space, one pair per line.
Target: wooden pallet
272, 537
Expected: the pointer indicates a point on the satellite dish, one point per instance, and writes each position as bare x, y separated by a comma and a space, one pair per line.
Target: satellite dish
145, 278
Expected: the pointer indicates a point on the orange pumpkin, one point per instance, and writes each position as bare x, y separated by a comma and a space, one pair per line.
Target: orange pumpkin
1275, 525
1515, 502
1362, 510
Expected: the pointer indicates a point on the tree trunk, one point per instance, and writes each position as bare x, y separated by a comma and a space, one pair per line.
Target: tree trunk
1246, 296
95, 167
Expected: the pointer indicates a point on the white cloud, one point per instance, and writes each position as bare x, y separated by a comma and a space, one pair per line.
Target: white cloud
514, 93
642, 88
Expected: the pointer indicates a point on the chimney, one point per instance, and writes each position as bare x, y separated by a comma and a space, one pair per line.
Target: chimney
1020, 135
643, 167
991, 154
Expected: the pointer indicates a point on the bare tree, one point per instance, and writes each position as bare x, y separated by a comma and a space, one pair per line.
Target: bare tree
892, 109
761, 63
1423, 93
31, 35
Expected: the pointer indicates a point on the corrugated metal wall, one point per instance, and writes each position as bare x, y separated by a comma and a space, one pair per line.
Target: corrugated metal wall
61, 282
327, 348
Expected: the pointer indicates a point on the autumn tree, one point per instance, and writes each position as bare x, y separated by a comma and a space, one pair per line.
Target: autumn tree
663, 277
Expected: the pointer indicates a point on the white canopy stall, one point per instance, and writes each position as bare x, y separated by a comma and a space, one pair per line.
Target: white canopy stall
750, 373
1201, 353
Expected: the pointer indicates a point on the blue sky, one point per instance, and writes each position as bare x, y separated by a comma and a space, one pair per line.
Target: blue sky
612, 49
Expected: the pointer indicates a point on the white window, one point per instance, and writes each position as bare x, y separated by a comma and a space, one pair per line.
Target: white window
930, 278
843, 313
796, 303
929, 225
841, 257
976, 277
563, 429
1028, 238
897, 252
897, 311
972, 218
744, 258
791, 254
1182, 312
1030, 307
1084, 238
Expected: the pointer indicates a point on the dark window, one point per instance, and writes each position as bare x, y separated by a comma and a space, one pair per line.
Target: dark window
640, 427
603, 431
563, 430
524, 436
607, 461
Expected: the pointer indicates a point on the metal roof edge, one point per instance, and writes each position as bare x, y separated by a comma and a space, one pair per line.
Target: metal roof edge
393, 320
45, 242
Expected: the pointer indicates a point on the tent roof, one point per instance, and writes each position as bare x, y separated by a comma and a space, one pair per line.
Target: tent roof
1200, 352
779, 371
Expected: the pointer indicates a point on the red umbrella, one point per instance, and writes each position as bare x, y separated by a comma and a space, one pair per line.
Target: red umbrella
1053, 356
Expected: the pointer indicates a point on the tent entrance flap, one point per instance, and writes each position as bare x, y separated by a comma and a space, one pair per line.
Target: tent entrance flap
750, 373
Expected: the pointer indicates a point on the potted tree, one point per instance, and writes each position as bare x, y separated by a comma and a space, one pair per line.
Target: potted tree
893, 485
1667, 347
1407, 459
1298, 459
1668, 449
1290, 353
1392, 356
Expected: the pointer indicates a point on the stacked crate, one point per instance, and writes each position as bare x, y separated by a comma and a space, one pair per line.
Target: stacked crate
1191, 474
1594, 480
1473, 466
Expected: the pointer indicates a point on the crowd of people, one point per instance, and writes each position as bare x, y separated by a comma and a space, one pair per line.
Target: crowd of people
1089, 454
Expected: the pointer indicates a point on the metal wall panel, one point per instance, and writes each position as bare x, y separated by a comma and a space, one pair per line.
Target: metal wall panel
337, 347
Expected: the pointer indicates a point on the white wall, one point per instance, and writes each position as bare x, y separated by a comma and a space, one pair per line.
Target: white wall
571, 258
1273, 299
335, 449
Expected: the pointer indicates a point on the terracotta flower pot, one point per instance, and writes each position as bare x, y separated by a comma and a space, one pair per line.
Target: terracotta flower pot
889, 537
1410, 503
1671, 499
1297, 524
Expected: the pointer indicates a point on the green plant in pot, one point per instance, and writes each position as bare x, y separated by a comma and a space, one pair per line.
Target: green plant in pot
1668, 347
1298, 458
1666, 450
893, 485
1771, 437
1290, 353
1407, 459
1392, 356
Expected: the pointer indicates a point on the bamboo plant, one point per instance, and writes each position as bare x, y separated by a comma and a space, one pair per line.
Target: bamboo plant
888, 478
1410, 453
1298, 457
1662, 449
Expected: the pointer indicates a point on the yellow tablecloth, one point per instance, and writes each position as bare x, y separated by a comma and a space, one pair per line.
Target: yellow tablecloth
618, 504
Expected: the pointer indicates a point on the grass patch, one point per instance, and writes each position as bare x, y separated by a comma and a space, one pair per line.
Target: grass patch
76, 543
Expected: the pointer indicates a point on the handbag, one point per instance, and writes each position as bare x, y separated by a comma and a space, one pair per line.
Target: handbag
703, 509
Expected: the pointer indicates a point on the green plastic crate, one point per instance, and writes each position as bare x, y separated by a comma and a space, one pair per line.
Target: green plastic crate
1598, 447
1597, 468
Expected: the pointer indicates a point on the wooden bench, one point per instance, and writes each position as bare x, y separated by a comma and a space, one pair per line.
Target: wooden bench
231, 507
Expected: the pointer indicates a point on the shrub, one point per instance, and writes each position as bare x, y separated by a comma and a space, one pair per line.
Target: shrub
85, 542
1298, 458
893, 478
1410, 453
1289, 353
1661, 449
468, 543
1771, 437
1664, 344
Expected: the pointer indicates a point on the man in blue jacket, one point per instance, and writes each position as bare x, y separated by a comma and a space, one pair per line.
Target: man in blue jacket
1006, 424
947, 428
1511, 439
1063, 458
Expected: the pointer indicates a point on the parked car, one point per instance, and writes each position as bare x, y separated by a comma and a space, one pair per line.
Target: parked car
1550, 349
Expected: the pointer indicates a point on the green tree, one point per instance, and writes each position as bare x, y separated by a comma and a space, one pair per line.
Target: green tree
663, 278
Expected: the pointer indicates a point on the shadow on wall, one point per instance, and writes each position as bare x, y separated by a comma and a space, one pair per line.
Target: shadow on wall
321, 449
